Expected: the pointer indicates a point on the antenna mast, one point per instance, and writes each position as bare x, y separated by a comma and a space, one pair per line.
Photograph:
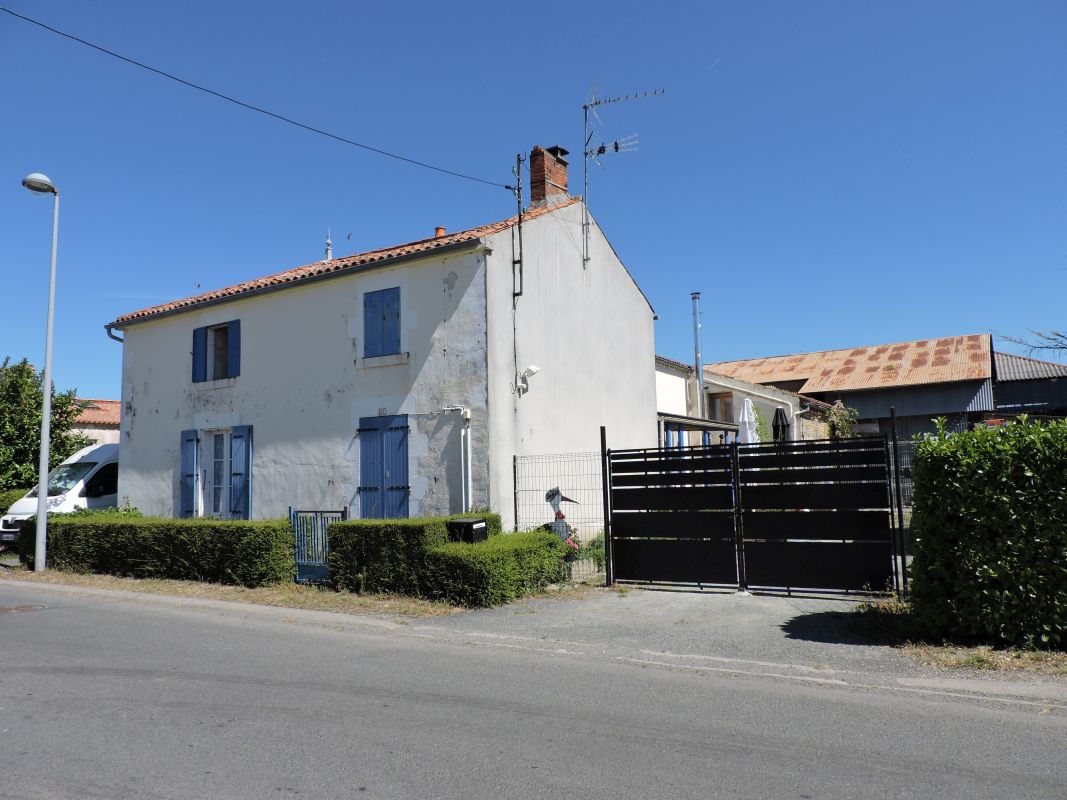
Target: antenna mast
591, 150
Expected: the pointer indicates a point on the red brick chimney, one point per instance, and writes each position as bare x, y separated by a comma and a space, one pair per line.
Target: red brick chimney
548, 174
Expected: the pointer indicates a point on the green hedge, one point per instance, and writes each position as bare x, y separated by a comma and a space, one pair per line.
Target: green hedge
383, 555
389, 555
991, 560
8, 498
495, 571
234, 552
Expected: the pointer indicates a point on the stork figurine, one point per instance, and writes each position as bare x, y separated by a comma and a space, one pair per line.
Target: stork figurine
554, 497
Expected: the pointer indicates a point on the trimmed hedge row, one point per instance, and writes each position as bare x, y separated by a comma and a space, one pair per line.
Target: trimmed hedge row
991, 560
389, 555
230, 551
495, 571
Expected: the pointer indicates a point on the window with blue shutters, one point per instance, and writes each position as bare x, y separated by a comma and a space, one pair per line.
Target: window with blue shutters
217, 352
215, 474
381, 322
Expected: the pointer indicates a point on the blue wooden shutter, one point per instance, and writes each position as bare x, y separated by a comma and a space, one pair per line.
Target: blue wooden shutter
233, 356
373, 345
371, 488
199, 355
395, 458
241, 472
391, 321
187, 475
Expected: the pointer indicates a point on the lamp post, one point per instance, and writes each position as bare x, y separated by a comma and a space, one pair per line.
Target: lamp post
41, 184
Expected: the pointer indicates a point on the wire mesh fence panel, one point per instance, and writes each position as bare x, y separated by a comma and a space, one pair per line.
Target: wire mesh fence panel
906, 456
578, 477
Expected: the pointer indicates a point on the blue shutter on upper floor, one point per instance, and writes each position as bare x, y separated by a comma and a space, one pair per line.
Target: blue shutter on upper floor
187, 475
373, 345
233, 355
391, 321
241, 472
199, 355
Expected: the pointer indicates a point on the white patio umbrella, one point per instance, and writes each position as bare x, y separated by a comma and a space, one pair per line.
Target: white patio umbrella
746, 424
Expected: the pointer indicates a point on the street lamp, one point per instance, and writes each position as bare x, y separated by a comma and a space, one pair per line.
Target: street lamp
41, 184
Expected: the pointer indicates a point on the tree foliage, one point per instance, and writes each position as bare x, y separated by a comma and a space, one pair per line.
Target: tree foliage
840, 418
21, 400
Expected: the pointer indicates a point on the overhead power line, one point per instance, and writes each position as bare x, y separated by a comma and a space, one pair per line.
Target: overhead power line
251, 107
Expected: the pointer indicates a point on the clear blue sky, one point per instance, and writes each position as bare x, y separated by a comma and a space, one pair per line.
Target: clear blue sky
828, 174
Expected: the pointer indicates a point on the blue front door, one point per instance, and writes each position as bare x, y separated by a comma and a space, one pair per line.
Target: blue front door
383, 467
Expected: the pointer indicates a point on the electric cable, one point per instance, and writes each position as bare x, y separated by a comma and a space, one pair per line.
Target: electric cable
251, 107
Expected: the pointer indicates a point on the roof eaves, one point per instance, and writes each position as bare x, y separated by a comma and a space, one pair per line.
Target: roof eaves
463, 244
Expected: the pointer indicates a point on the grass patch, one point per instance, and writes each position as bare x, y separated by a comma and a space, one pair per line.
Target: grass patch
889, 621
282, 595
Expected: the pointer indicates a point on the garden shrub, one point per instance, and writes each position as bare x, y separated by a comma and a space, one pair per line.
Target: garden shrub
9, 497
383, 555
389, 555
126, 544
495, 571
991, 561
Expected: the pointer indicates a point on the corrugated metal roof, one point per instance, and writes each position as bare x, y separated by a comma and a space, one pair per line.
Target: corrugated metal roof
924, 361
1021, 368
366, 260
100, 412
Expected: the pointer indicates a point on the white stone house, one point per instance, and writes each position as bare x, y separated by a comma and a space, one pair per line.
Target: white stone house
99, 420
397, 382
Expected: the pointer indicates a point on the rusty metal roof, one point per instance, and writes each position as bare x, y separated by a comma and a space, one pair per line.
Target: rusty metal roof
925, 361
358, 261
1021, 368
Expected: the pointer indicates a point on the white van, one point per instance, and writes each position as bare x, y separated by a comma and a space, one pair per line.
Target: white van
88, 479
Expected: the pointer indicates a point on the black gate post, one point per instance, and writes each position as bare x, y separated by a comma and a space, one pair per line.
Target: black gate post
739, 533
605, 478
900, 501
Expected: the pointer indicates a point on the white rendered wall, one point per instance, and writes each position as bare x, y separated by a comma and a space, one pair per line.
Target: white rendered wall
304, 385
590, 331
672, 392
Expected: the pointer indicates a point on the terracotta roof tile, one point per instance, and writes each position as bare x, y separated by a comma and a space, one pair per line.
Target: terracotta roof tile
100, 412
954, 358
357, 261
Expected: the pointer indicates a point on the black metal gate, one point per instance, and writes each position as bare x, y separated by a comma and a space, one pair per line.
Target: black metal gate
792, 516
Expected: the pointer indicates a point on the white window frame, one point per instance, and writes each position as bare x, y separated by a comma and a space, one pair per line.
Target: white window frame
207, 473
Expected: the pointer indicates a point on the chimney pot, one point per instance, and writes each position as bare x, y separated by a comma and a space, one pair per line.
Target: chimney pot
438, 232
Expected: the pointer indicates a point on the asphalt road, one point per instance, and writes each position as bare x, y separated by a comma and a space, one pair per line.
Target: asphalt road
106, 696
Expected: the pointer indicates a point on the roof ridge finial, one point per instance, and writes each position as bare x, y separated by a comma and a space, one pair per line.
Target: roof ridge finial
329, 246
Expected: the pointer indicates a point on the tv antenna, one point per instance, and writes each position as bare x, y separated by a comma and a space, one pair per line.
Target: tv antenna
595, 147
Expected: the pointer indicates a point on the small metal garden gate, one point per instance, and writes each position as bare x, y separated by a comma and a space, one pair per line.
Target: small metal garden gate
312, 545
782, 516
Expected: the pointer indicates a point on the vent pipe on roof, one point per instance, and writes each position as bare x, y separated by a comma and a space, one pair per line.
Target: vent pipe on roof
438, 232
697, 356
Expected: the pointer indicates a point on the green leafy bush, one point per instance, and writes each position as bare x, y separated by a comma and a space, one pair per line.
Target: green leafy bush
991, 560
123, 543
389, 555
9, 497
383, 555
495, 571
